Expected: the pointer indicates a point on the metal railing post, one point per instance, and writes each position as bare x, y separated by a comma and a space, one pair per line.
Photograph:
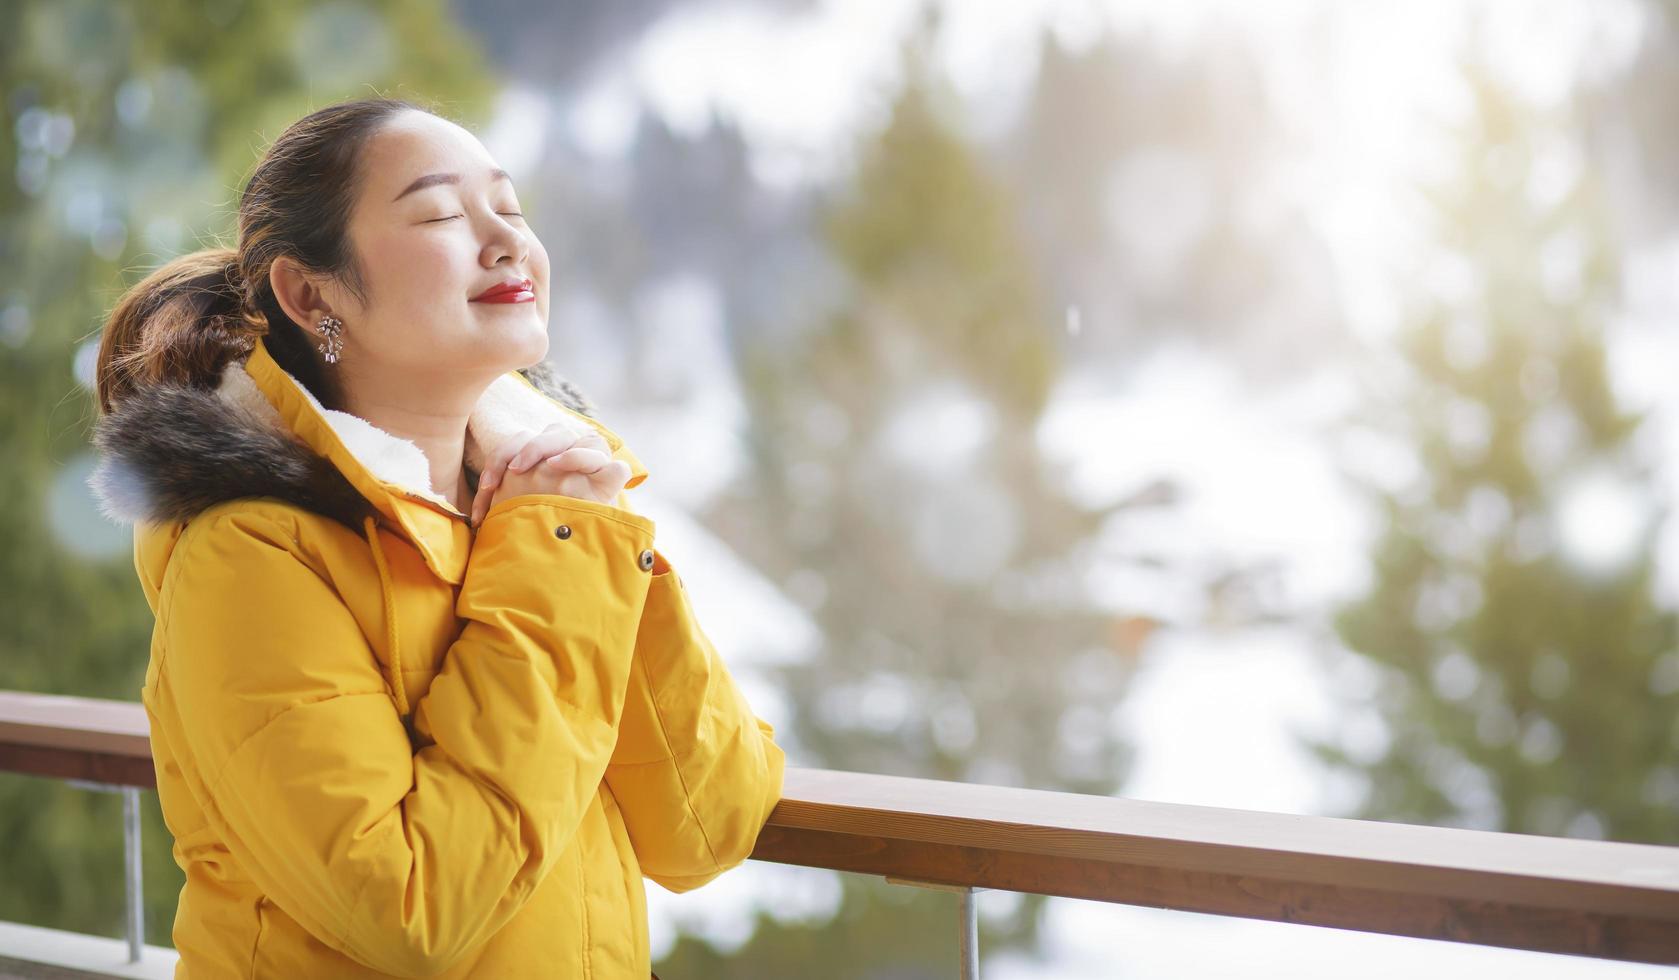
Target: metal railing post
968, 909
134, 894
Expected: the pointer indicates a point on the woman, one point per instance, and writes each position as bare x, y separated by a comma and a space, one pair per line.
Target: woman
424, 698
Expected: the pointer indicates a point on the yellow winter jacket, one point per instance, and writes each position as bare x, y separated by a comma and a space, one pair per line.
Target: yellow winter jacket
389, 745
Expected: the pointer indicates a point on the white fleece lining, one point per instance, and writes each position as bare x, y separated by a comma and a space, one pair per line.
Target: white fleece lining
507, 407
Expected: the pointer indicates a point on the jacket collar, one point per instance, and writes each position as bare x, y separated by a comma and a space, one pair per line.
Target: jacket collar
169, 452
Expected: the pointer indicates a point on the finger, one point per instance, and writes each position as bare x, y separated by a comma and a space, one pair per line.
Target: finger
482, 501
496, 462
581, 459
602, 485
606, 483
615, 469
576, 469
549, 442
612, 478
478, 507
619, 475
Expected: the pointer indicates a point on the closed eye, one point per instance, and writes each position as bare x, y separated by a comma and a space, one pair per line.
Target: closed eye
510, 214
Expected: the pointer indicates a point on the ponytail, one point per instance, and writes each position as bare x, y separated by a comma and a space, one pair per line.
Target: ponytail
180, 325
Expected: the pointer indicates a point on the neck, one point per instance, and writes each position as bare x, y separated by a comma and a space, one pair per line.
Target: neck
436, 422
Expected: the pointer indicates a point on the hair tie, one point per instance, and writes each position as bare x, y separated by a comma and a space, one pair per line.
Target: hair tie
234, 274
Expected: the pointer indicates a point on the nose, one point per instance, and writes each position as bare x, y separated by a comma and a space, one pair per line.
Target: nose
507, 241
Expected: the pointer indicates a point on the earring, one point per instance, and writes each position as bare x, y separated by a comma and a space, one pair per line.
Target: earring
333, 328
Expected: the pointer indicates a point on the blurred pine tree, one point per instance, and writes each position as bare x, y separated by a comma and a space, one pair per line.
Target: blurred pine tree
896, 486
1528, 674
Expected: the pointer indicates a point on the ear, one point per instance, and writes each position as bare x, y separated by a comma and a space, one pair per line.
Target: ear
298, 292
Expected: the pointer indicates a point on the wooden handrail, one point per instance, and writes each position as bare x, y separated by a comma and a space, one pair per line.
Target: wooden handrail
68, 737
1595, 898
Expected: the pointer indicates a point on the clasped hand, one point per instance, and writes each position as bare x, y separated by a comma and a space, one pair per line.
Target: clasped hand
564, 458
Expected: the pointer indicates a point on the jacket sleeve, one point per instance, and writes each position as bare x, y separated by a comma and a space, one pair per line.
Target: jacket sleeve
402, 859
695, 772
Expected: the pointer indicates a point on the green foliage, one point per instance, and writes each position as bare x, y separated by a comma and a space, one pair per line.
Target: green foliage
1521, 686
167, 106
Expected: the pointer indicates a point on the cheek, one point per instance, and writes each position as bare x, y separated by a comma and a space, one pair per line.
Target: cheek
539, 271
420, 263
538, 261
412, 275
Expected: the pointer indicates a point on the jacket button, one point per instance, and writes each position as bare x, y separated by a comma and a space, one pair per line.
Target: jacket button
563, 531
647, 559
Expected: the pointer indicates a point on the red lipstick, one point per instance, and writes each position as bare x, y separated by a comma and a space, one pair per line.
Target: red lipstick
510, 291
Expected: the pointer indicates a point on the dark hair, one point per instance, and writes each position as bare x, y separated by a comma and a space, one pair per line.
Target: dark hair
186, 320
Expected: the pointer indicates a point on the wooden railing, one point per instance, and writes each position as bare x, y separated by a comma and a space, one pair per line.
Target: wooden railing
1593, 898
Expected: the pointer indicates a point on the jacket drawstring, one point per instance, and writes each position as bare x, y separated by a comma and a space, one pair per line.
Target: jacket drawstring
395, 666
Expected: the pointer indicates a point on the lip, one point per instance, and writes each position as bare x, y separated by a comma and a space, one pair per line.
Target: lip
511, 291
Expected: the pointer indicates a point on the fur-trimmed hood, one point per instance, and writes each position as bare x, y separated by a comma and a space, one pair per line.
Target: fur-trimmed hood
170, 451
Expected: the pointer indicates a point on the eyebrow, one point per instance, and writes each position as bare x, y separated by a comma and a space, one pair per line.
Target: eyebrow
430, 180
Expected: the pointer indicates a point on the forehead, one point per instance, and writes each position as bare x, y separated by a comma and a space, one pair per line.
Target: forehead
415, 144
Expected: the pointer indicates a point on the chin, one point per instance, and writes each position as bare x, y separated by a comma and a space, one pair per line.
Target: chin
527, 347
510, 341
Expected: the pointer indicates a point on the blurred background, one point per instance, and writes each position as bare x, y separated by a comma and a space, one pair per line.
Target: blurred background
1251, 405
